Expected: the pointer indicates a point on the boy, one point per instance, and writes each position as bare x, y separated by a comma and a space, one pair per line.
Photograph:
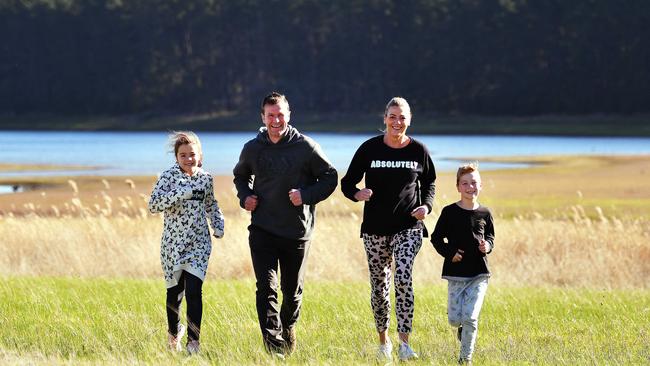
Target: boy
464, 235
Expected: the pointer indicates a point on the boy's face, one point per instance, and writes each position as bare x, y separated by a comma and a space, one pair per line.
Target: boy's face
469, 185
188, 158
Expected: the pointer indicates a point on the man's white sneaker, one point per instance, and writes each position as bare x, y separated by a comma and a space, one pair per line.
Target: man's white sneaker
406, 353
385, 351
174, 343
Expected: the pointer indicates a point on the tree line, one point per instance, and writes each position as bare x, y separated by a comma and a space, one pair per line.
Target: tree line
486, 57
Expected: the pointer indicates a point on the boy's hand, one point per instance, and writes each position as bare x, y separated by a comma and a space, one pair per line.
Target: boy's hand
458, 256
484, 246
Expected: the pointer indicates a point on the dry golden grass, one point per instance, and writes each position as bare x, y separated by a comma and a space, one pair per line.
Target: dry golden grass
547, 233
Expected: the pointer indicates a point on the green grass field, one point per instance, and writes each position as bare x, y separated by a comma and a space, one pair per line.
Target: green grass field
54, 320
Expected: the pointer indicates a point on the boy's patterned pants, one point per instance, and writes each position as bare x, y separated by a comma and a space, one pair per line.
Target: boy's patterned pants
465, 299
380, 250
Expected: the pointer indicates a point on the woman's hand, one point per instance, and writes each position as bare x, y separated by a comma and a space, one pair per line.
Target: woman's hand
363, 194
420, 212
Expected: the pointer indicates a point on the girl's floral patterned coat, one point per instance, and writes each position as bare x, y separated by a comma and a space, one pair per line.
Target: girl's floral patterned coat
186, 202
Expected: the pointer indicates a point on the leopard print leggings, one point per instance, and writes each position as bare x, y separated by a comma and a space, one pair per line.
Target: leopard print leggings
380, 250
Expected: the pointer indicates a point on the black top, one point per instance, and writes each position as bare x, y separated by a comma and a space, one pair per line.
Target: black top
400, 179
463, 229
270, 170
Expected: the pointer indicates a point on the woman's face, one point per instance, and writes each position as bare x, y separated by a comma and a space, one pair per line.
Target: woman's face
397, 120
188, 157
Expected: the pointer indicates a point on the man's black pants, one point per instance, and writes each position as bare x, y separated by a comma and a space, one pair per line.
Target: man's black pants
267, 251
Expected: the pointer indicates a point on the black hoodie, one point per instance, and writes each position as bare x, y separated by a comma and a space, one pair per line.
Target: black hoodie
269, 170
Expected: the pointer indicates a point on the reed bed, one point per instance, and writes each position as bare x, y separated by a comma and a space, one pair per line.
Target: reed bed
113, 235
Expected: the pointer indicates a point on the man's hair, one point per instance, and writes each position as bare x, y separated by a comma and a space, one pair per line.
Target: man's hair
397, 102
274, 98
179, 138
466, 168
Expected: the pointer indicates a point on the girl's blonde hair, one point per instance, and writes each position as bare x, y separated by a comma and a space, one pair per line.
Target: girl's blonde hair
466, 168
179, 138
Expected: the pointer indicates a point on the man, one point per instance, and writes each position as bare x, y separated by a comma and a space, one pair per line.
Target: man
280, 176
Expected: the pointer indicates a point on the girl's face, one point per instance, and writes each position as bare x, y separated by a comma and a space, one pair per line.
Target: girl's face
188, 157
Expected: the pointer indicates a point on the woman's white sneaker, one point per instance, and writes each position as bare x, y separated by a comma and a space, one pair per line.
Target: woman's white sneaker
406, 353
385, 351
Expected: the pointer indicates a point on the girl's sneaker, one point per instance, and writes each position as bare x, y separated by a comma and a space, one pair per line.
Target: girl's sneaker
193, 347
174, 343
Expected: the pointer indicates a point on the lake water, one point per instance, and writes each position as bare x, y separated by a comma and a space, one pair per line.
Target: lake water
145, 153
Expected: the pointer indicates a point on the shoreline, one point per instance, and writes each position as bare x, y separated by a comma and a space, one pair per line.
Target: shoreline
592, 125
552, 187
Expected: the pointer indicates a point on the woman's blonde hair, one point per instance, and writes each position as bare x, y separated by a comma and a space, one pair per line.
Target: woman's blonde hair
397, 102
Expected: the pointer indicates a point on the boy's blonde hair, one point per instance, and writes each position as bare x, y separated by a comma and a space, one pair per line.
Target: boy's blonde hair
178, 138
466, 168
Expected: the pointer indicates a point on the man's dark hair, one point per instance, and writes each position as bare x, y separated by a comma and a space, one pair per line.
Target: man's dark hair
274, 98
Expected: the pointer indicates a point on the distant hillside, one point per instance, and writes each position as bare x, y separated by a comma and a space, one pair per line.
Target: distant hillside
461, 57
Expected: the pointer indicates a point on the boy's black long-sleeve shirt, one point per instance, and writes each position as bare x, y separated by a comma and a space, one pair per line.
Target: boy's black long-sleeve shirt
463, 229
400, 179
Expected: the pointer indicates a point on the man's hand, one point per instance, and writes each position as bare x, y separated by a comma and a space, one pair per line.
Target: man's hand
250, 203
295, 197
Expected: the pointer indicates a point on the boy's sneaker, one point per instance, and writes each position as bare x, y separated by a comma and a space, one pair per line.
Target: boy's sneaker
459, 334
174, 343
406, 353
384, 352
193, 347
289, 335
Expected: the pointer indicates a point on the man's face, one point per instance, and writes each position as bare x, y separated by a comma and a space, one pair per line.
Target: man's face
276, 119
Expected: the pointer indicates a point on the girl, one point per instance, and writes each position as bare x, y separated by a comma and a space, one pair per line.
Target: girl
185, 194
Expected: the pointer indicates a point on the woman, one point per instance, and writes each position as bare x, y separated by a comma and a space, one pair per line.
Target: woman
398, 194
